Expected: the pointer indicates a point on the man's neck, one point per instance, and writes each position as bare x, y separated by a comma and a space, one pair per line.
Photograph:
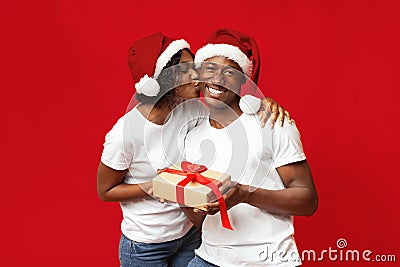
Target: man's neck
222, 117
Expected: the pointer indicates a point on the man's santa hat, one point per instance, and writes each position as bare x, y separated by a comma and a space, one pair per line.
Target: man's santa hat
240, 48
148, 56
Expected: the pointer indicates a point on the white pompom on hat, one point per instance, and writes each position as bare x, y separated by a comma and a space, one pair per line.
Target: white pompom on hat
148, 56
249, 104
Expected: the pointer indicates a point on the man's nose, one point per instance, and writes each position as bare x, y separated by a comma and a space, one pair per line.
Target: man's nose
217, 78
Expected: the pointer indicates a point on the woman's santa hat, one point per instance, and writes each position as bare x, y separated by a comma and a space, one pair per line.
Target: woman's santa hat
240, 48
148, 56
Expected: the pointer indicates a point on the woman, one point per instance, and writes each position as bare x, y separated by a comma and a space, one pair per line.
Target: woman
150, 137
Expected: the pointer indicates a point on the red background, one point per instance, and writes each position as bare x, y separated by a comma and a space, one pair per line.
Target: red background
333, 64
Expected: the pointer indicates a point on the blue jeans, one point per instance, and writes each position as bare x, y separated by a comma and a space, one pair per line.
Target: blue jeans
175, 253
199, 262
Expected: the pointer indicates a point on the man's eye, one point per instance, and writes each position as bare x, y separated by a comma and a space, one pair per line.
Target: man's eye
229, 72
210, 68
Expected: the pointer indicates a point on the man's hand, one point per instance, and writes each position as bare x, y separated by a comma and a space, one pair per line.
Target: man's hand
238, 194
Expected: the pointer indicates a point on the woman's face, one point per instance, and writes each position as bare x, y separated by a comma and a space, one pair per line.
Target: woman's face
188, 86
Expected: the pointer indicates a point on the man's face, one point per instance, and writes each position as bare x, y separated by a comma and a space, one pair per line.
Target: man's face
220, 81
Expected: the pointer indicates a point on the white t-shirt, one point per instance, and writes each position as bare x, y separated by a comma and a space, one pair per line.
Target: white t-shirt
141, 146
250, 154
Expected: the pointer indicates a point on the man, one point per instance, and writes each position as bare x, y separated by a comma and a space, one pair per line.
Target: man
274, 181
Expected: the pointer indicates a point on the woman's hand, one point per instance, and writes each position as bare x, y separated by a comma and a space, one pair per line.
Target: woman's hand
270, 105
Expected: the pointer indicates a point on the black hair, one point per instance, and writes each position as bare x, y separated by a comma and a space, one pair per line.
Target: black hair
168, 80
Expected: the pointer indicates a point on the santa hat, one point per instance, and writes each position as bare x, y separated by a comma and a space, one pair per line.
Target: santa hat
148, 56
236, 46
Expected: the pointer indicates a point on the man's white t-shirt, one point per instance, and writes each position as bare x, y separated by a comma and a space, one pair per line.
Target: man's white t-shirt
250, 154
142, 147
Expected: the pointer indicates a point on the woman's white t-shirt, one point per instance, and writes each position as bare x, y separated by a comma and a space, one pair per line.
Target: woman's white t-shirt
142, 147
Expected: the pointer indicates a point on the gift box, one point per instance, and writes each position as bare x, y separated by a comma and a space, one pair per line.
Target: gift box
181, 184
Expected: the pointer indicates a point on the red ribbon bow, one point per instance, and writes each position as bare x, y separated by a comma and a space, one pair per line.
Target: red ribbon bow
193, 173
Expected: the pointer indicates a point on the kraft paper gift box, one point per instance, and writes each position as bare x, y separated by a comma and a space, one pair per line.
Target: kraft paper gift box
194, 194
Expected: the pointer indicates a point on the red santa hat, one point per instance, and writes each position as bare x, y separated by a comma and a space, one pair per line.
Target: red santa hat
236, 46
148, 56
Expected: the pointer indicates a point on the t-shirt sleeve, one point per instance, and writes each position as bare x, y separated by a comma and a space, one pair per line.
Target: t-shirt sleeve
117, 153
286, 145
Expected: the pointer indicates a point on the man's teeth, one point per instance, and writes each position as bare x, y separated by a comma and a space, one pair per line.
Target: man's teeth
214, 91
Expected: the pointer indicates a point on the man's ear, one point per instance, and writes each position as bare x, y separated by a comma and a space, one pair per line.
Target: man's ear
243, 78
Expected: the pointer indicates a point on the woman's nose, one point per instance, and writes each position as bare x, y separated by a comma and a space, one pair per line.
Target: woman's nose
194, 75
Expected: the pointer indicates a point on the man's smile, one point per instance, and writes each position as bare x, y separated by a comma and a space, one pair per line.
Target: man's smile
215, 91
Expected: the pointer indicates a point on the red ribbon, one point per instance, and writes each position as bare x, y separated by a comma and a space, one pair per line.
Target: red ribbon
193, 174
